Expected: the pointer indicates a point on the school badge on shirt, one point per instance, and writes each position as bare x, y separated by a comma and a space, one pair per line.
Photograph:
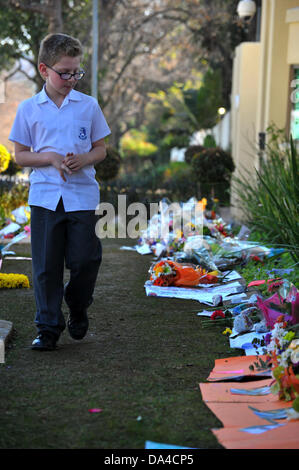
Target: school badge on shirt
83, 133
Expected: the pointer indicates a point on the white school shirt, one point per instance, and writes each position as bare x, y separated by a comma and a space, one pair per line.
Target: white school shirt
73, 127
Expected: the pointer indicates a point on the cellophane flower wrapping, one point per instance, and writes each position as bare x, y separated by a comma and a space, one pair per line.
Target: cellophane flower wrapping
170, 273
285, 301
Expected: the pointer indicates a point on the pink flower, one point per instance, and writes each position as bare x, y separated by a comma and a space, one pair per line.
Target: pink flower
274, 286
95, 410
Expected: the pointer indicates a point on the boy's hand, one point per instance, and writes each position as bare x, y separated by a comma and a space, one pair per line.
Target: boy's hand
63, 168
58, 163
74, 162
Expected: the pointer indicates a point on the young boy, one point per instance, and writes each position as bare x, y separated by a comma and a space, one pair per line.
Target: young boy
60, 133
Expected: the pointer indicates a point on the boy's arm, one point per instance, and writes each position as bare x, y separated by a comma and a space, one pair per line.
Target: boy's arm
96, 155
25, 158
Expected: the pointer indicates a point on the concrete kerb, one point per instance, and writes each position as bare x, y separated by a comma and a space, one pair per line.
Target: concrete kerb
6, 328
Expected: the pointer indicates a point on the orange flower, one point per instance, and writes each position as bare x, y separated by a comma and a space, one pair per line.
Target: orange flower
284, 378
280, 319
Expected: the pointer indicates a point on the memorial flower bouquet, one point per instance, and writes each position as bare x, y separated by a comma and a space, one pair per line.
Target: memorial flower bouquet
284, 301
170, 273
163, 274
283, 351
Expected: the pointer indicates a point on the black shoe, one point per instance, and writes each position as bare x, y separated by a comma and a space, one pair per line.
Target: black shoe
44, 342
77, 324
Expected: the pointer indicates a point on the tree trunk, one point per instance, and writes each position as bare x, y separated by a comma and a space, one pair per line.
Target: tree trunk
106, 14
55, 16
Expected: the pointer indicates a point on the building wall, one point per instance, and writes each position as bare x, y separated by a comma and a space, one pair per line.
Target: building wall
246, 74
264, 97
15, 91
292, 19
221, 132
274, 89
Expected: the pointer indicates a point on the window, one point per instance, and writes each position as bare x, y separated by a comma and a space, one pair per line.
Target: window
294, 117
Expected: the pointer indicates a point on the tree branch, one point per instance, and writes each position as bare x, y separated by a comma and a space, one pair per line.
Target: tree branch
51, 10
30, 6
12, 73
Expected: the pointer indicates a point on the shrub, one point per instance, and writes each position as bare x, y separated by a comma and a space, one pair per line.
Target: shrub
134, 143
108, 168
174, 139
209, 141
191, 151
212, 169
270, 201
13, 198
178, 182
12, 169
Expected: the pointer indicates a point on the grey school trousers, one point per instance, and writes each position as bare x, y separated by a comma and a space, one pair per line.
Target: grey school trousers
63, 239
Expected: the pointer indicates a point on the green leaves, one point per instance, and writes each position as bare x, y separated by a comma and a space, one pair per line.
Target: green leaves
184, 107
270, 201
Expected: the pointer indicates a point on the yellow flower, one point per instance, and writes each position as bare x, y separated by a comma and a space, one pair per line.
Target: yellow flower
227, 331
179, 234
4, 158
202, 204
213, 273
159, 270
13, 281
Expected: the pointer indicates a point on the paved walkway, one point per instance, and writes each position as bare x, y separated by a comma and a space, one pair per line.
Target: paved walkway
6, 327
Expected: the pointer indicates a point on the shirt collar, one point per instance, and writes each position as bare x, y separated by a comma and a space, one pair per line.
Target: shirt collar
74, 95
42, 96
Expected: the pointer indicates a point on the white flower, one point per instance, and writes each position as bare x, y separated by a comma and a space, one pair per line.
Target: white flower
284, 358
295, 355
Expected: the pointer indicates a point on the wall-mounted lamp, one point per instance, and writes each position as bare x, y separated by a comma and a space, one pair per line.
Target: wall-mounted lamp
246, 10
221, 111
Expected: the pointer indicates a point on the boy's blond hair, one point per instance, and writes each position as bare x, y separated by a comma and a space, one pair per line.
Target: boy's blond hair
54, 46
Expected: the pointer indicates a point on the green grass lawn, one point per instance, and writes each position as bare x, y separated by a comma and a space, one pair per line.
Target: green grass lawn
142, 357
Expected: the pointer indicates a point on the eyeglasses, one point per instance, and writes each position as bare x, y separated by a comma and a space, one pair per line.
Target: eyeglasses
67, 76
